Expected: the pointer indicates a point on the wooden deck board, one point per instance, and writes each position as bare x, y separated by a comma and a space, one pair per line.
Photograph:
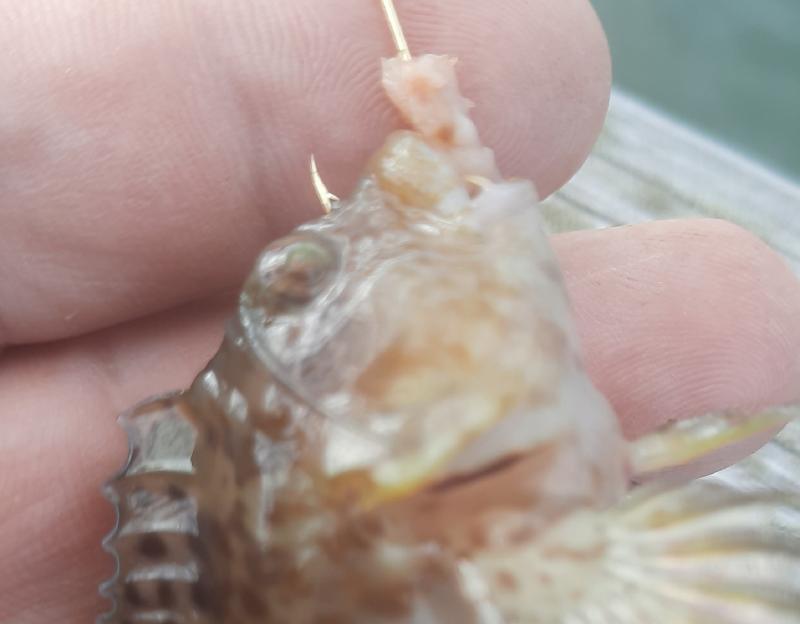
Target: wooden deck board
646, 166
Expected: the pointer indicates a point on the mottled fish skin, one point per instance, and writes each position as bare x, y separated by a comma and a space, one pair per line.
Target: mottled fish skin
400, 388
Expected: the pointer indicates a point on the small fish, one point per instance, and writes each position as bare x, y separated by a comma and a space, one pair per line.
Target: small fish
397, 429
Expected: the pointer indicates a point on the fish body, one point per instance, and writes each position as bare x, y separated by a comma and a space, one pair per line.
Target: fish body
397, 428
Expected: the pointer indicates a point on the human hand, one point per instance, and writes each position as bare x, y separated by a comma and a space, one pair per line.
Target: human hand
148, 150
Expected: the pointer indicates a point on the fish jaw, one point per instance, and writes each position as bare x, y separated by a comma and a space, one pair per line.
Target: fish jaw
443, 317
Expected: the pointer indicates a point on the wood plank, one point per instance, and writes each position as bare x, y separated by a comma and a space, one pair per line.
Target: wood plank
647, 166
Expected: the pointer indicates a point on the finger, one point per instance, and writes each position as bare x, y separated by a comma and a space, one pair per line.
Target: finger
149, 149
59, 442
677, 318
681, 318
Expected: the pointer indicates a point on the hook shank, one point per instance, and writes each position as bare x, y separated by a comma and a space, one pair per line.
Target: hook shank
396, 29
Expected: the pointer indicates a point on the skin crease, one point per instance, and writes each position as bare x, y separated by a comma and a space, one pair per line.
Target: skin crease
149, 149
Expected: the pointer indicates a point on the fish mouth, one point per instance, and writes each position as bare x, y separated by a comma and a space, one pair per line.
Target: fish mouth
512, 474
508, 495
470, 478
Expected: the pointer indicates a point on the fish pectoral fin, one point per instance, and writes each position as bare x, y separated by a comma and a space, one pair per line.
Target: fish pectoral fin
697, 554
683, 442
704, 552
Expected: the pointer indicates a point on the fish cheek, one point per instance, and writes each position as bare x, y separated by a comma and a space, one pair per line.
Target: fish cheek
401, 376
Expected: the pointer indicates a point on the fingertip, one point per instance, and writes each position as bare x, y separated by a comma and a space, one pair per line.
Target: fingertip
680, 318
539, 73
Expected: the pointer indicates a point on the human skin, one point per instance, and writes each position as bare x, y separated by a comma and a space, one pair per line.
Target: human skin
149, 149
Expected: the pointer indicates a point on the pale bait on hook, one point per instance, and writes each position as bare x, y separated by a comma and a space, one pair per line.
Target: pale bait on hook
397, 430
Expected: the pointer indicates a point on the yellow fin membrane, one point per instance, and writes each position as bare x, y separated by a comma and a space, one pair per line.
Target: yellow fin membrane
680, 443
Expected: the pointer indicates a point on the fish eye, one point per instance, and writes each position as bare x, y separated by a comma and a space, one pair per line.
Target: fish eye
292, 273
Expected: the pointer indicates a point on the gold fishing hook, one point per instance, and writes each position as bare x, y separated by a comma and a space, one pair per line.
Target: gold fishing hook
400, 43
326, 198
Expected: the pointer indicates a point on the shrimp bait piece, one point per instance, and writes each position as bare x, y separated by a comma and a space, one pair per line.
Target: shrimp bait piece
397, 429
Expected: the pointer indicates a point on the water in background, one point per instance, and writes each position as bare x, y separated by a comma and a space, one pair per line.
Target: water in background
729, 67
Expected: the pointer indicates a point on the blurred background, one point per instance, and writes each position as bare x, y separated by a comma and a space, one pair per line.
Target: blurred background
731, 69
728, 67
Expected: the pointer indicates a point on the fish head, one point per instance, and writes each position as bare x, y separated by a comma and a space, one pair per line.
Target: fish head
425, 322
